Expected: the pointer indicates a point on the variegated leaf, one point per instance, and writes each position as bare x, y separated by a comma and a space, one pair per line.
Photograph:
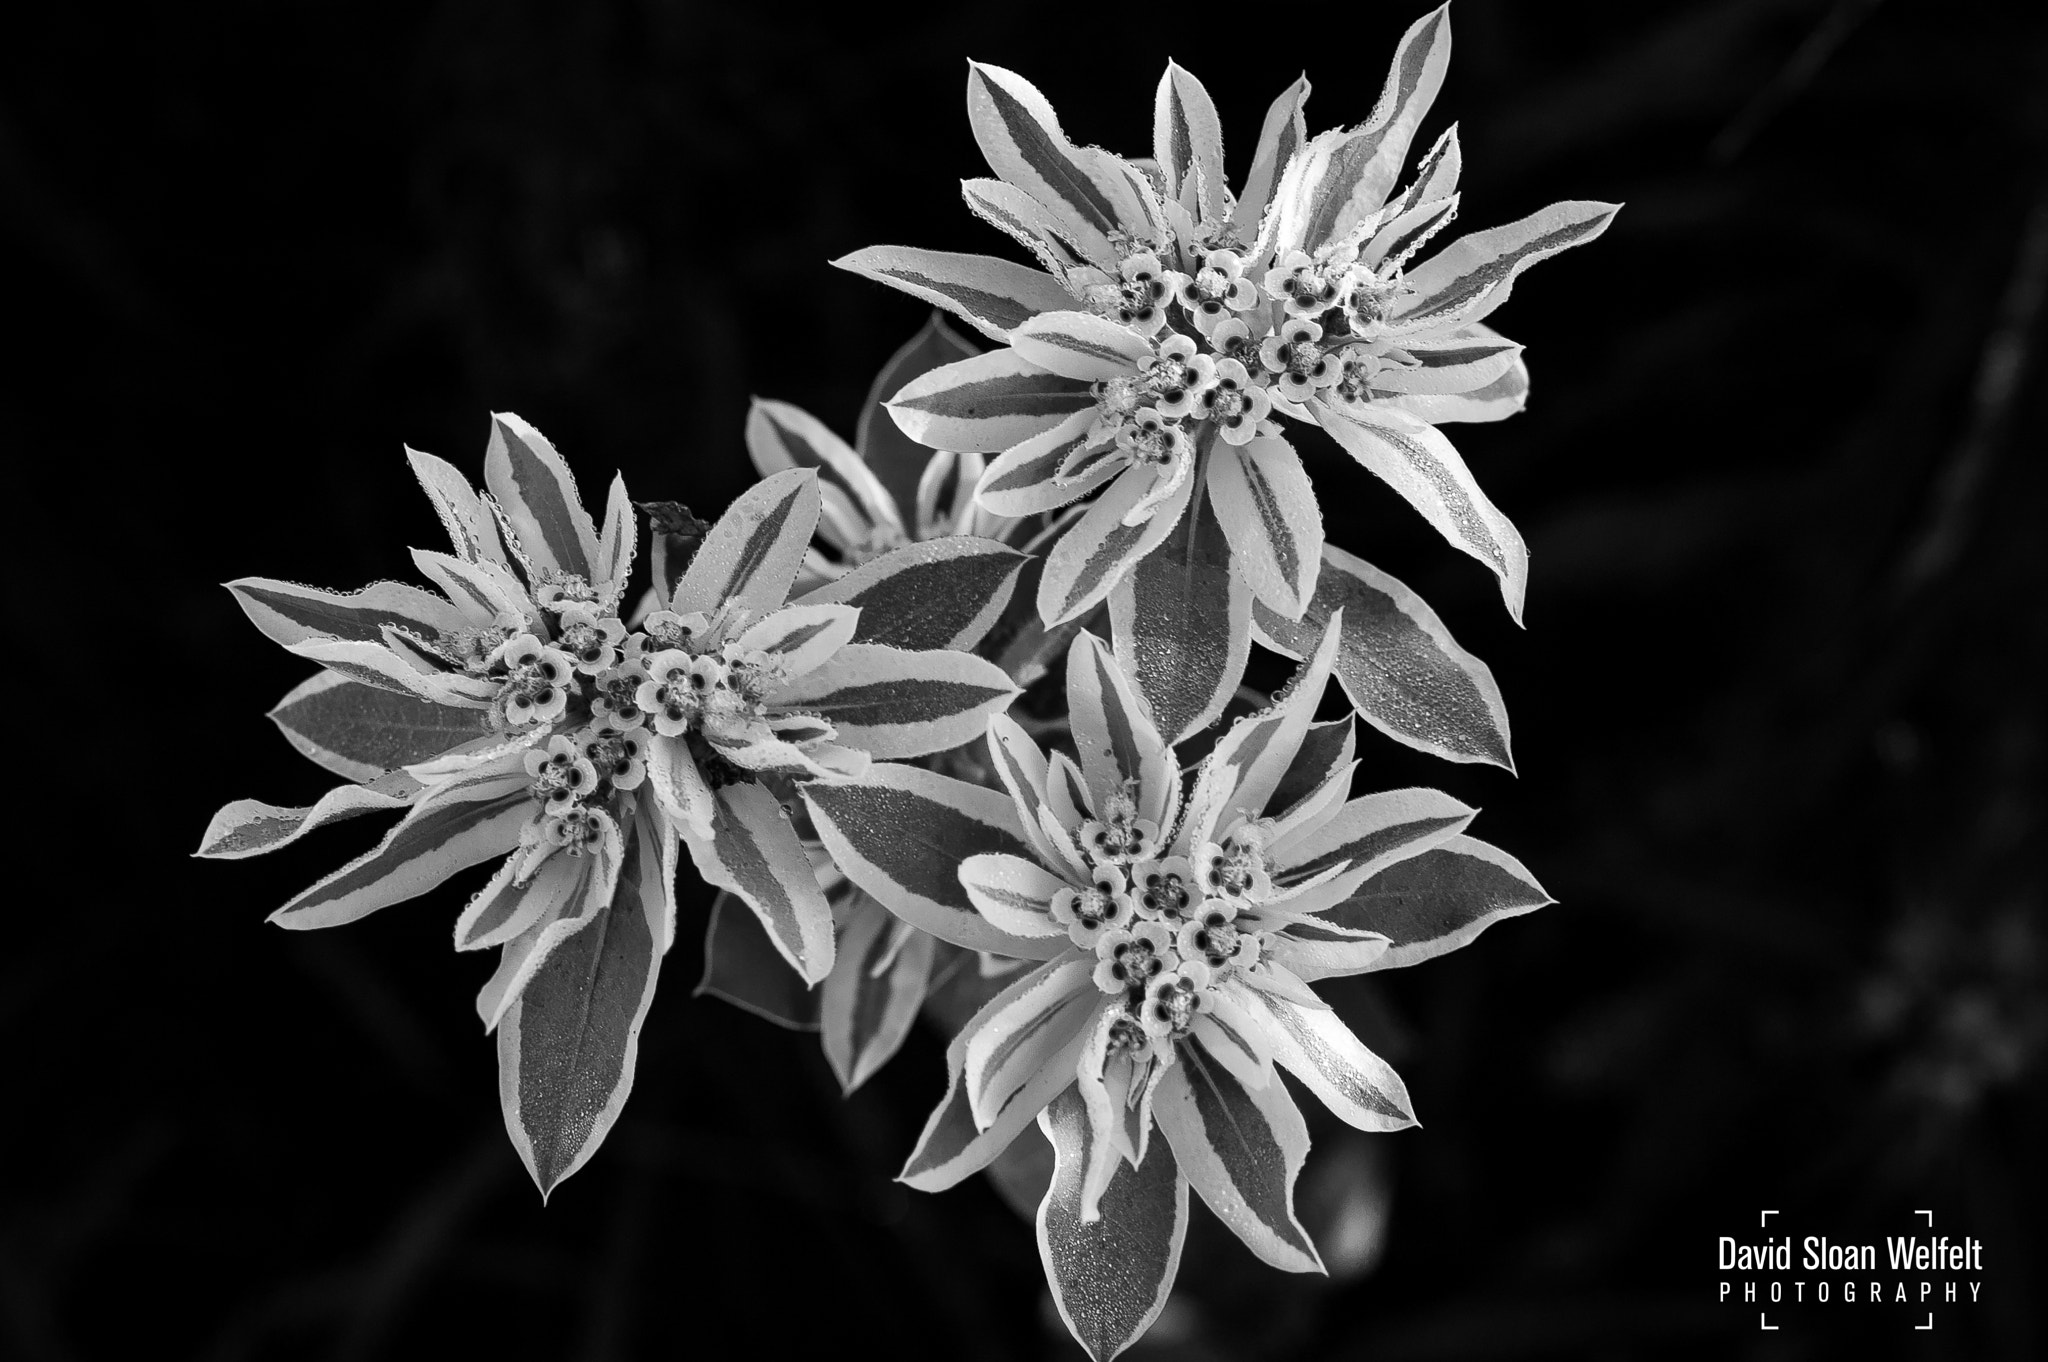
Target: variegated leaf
471, 529
617, 542
890, 702
1013, 892
1020, 135
249, 827
754, 550
1416, 460
1241, 1147
1399, 665
432, 842
1268, 510
1058, 243
1371, 833
533, 485
870, 999
507, 907
1024, 479
781, 436
1187, 141
1440, 900
1093, 556
1326, 749
1080, 345
1316, 1046
942, 593
896, 459
1181, 621
952, 1147
987, 403
1456, 364
361, 732
290, 614
567, 1048
1027, 1029
1114, 733
1473, 275
1496, 401
1284, 133
743, 967
901, 834
754, 852
1436, 177
376, 664
1110, 1276
992, 296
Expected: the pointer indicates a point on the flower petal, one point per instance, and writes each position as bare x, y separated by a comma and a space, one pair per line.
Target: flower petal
1187, 141
1019, 133
289, 614
1282, 134
890, 702
1319, 1049
1268, 510
1369, 834
987, 403
1119, 745
781, 436
471, 528
1473, 275
801, 638
249, 827
1013, 892
1080, 345
1440, 900
753, 851
754, 550
432, 842
1093, 556
538, 493
1024, 479
1032, 1024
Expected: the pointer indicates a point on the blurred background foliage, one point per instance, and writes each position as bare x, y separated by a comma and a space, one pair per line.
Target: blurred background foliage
1778, 709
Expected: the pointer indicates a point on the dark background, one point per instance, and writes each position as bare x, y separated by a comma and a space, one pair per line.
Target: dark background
1777, 710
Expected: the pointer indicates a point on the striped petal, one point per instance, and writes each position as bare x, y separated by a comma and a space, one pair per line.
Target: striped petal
1496, 401
1242, 1148
249, 827
801, 638
1318, 1048
901, 833
374, 664
1110, 1276
289, 614
1187, 142
1418, 462
533, 485
752, 554
1280, 137
781, 436
471, 528
432, 842
1059, 244
896, 459
1268, 510
1369, 834
361, 731
986, 404
992, 296
1398, 664
1019, 133
952, 1147
1025, 479
1247, 765
506, 907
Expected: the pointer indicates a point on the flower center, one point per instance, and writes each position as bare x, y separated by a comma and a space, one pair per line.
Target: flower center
1164, 894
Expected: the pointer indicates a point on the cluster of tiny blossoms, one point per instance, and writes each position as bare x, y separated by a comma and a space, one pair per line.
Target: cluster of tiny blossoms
1231, 350
600, 694
1166, 930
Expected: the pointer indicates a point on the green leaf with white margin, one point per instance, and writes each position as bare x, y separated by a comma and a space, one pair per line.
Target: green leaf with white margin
941, 593
1325, 749
1342, 178
507, 907
952, 1147
1187, 141
754, 550
1023, 480
781, 436
1242, 1149
986, 404
538, 493
1398, 664
361, 732
616, 544
1109, 1277
1093, 556
471, 528
436, 838
1283, 133
568, 1047
1473, 275
743, 967
993, 296
374, 664
1081, 346
1020, 135
1416, 460
890, 702
754, 852
1268, 509
867, 1004
896, 459
1440, 900
1251, 760
1181, 621
1370, 833
1359, 1087
1031, 1025
289, 614
1013, 892
249, 827
1456, 364
901, 833
1119, 744
1058, 244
